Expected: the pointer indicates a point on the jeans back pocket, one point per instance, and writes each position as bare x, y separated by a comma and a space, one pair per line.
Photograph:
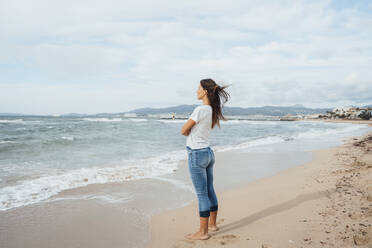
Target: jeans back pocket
201, 158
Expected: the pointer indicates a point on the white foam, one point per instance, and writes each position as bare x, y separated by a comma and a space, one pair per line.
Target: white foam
316, 133
137, 119
35, 190
6, 141
68, 137
130, 115
106, 198
103, 119
251, 122
253, 143
12, 121
172, 121
21, 121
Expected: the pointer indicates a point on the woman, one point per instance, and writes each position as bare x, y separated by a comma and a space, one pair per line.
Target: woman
201, 156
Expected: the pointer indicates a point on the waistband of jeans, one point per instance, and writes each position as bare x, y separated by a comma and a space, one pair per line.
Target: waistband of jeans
199, 149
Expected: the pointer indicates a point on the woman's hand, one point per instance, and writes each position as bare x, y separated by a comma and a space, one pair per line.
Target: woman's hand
186, 129
188, 132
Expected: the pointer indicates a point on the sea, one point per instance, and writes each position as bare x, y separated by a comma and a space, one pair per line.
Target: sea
41, 156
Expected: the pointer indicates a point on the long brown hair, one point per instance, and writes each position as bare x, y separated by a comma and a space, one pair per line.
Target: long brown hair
215, 94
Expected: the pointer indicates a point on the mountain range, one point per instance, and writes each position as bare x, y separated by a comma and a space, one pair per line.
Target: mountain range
187, 109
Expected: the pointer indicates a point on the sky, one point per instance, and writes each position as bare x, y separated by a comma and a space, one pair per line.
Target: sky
115, 56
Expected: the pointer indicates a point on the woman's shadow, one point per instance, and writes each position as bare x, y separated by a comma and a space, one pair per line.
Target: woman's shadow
274, 209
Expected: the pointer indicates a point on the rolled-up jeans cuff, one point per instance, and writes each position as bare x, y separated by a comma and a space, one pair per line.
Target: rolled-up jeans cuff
204, 213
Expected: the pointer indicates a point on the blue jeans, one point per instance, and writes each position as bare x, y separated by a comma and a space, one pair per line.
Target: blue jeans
201, 163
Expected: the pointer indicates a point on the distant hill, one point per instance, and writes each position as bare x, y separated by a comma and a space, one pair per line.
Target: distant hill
187, 109
265, 110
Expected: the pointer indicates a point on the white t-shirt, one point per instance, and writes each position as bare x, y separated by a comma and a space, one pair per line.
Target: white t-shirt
198, 136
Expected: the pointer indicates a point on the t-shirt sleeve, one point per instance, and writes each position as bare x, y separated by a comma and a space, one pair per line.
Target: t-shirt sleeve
195, 115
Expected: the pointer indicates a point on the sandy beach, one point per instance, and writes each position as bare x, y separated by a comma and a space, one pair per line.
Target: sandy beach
326, 202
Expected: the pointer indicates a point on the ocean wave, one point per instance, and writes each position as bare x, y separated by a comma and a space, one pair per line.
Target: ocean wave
12, 121
251, 122
20, 121
316, 133
114, 119
253, 143
106, 198
102, 119
39, 189
172, 121
7, 141
137, 119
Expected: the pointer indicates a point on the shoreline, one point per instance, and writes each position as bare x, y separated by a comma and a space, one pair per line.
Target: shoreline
120, 214
322, 203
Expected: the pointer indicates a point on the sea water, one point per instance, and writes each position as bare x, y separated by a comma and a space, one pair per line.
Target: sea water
43, 156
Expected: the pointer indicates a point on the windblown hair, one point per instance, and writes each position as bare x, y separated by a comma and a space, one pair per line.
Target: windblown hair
216, 94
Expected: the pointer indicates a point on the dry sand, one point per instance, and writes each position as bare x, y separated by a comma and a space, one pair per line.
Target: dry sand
324, 203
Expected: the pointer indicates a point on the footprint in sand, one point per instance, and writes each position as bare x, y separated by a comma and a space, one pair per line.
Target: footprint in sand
220, 220
184, 244
226, 239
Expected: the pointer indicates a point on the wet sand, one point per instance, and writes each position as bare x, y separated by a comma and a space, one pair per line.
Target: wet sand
118, 214
326, 202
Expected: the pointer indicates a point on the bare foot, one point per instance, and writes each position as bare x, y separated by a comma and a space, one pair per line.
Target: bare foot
197, 235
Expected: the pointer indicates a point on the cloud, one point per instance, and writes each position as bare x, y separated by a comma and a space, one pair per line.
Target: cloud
317, 53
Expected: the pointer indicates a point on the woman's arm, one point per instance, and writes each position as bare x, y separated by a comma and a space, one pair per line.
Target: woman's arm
186, 129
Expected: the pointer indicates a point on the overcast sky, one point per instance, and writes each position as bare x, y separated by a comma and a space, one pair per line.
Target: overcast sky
113, 56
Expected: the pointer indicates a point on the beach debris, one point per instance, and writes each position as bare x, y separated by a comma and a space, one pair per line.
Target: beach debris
360, 239
229, 237
369, 197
